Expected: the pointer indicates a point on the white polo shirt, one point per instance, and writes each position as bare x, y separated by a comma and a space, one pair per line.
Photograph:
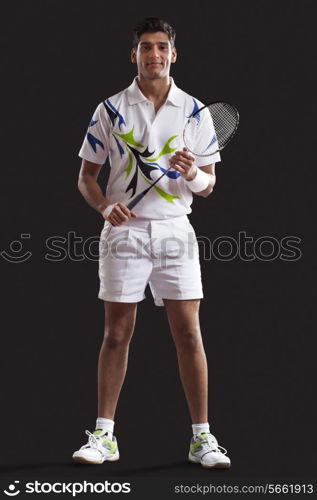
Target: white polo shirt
139, 144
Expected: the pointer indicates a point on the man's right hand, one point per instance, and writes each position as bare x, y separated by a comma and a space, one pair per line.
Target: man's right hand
118, 215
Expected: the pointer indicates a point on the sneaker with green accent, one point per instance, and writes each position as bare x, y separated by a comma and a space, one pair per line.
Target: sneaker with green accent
205, 450
100, 448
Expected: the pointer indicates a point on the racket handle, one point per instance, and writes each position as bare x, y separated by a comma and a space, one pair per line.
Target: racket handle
136, 200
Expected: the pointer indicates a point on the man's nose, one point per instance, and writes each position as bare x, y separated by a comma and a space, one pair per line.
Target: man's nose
154, 52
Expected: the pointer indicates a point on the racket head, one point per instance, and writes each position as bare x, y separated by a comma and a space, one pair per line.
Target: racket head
211, 128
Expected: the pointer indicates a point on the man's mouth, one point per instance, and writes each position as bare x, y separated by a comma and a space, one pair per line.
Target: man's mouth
154, 64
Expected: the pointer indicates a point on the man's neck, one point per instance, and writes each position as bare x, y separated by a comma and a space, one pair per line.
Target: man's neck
155, 90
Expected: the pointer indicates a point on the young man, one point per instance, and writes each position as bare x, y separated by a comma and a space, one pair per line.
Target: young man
140, 129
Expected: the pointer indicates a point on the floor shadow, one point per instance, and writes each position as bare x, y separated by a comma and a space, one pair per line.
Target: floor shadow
108, 468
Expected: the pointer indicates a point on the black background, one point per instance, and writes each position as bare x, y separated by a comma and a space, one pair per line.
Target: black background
59, 60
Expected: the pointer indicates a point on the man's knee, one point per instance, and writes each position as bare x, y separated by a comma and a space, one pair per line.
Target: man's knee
117, 337
188, 339
119, 324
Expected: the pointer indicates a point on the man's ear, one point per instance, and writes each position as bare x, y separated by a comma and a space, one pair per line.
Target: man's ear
133, 55
174, 55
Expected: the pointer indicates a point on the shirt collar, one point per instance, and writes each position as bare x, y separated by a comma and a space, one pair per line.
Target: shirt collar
135, 95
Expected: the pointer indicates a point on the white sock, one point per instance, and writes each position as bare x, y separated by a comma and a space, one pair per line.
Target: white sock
105, 424
199, 428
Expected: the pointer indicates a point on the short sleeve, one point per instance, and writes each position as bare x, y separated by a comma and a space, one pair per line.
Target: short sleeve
95, 147
205, 138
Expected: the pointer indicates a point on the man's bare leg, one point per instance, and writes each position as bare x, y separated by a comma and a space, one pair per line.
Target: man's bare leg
113, 357
183, 317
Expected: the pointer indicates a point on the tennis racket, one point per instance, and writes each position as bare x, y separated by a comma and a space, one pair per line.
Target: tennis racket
220, 118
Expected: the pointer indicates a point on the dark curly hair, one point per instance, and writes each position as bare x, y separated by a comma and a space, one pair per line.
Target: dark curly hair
152, 25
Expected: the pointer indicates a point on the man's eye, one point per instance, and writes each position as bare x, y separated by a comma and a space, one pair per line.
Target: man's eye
163, 47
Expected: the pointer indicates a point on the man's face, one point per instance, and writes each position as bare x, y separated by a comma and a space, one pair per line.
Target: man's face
154, 55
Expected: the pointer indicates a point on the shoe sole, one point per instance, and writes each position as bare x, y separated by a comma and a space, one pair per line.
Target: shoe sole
219, 465
82, 460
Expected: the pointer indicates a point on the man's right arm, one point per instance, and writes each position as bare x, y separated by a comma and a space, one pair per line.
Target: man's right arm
90, 189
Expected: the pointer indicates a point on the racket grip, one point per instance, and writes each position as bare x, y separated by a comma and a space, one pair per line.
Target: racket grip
135, 200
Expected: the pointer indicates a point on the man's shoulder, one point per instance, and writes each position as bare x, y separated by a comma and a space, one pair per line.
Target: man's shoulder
196, 100
189, 100
114, 99
110, 107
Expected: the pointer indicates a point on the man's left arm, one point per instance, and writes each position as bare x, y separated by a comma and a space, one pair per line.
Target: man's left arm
200, 180
210, 170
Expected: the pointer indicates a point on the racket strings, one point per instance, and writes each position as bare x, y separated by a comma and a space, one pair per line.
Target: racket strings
225, 119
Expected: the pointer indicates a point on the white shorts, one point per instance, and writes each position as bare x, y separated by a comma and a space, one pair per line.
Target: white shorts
161, 253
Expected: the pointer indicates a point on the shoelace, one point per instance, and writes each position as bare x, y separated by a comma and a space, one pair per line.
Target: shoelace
94, 441
213, 443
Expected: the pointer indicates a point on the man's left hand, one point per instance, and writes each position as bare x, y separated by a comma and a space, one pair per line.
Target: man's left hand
183, 162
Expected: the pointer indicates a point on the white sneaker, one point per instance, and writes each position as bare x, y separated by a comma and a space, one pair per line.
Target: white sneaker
204, 449
98, 449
